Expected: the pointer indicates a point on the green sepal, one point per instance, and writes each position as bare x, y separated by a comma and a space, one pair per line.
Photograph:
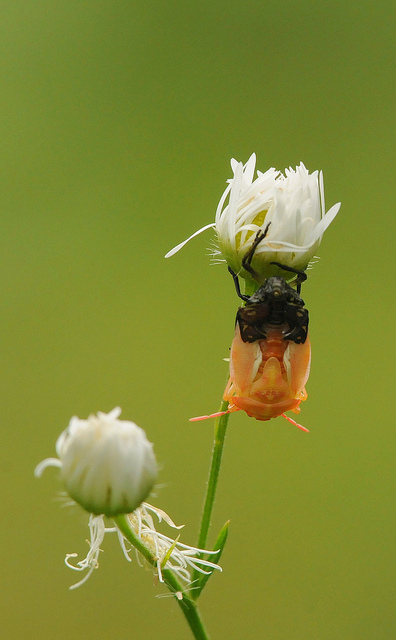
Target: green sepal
219, 546
169, 552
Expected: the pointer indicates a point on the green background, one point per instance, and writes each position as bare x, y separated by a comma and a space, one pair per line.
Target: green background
118, 122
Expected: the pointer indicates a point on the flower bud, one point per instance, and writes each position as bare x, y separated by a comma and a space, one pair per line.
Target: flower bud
107, 465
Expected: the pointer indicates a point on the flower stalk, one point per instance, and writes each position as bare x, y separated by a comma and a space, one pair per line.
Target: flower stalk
220, 430
187, 604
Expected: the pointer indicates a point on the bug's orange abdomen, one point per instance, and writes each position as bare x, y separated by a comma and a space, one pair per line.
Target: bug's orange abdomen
267, 377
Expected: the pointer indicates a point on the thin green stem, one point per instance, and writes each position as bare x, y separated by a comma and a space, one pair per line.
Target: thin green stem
250, 287
187, 605
219, 437
220, 433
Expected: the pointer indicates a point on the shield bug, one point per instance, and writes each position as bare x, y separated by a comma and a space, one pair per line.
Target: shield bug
270, 353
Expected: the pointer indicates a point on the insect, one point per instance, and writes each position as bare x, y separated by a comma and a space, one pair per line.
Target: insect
270, 353
274, 304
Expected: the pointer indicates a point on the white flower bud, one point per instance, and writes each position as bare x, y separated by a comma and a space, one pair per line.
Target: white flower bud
107, 465
294, 206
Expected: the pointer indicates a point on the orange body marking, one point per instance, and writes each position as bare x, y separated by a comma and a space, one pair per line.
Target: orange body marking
267, 377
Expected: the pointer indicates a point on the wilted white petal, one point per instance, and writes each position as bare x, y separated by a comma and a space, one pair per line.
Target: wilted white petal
169, 553
181, 556
161, 515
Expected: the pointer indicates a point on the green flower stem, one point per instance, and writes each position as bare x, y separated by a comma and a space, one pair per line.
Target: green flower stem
250, 287
187, 605
220, 432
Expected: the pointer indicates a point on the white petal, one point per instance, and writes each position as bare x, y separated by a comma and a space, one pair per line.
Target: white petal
48, 462
181, 245
249, 169
220, 206
233, 204
324, 223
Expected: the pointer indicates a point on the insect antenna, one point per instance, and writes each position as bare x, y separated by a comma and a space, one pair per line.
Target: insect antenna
296, 424
212, 415
215, 415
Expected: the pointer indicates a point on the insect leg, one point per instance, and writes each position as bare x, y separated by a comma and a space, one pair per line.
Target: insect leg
247, 258
237, 287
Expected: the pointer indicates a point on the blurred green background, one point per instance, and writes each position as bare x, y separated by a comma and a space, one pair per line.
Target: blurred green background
118, 122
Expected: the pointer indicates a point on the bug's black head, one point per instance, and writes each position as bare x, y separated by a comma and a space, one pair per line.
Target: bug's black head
276, 287
273, 289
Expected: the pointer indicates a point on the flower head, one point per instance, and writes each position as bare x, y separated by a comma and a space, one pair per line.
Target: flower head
292, 203
107, 465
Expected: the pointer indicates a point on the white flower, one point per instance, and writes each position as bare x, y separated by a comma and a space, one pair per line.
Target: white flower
168, 553
107, 465
294, 206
